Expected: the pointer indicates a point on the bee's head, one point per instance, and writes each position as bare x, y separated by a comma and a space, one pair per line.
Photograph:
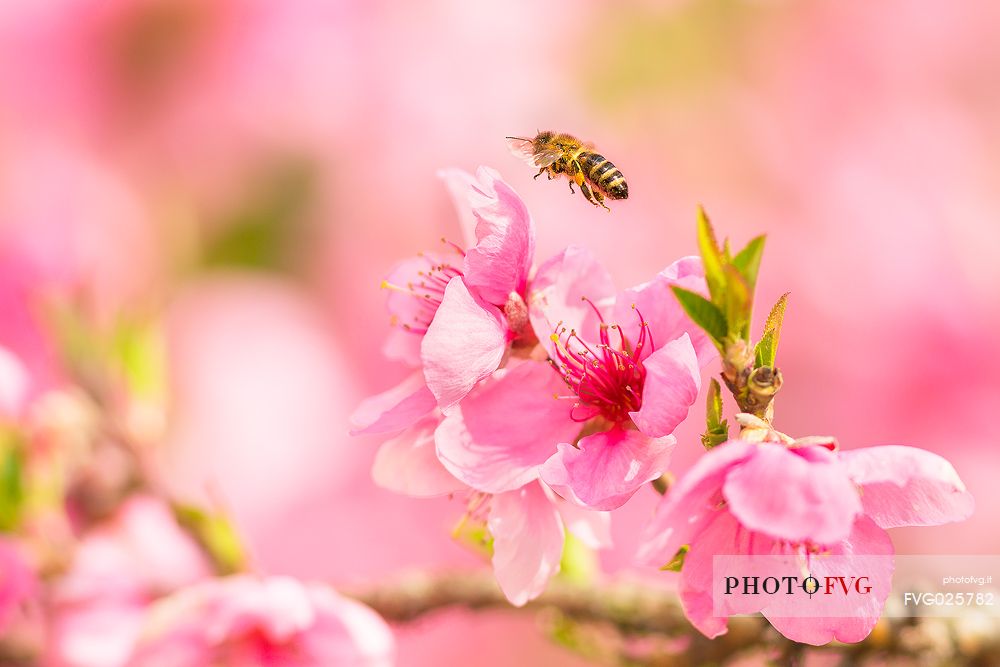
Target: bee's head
543, 138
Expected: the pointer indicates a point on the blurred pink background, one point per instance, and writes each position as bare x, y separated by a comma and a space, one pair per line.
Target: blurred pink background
249, 170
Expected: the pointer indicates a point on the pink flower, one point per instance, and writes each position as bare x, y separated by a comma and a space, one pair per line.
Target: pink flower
457, 320
527, 521
631, 386
484, 310
743, 498
415, 291
117, 569
634, 376
529, 527
17, 582
246, 620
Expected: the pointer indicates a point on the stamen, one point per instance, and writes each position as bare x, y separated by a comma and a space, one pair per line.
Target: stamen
427, 289
607, 377
457, 248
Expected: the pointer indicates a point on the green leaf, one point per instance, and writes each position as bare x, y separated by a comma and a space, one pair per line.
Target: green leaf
474, 536
579, 564
738, 301
711, 258
777, 314
716, 428
262, 232
139, 349
216, 534
703, 313
716, 436
663, 483
767, 348
747, 261
713, 409
12, 489
677, 562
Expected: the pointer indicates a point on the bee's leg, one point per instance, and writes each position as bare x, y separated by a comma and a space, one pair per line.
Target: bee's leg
542, 171
585, 189
600, 199
571, 187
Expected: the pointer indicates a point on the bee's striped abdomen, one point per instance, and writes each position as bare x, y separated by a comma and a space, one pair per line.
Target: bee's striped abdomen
604, 175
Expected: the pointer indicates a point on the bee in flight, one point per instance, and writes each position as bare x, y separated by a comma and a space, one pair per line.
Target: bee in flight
555, 154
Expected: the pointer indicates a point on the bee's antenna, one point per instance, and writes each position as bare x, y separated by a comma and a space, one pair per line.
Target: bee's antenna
518, 138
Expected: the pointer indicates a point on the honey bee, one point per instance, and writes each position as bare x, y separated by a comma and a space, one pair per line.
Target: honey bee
556, 154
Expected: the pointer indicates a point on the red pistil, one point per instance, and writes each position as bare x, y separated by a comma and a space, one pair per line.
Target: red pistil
606, 378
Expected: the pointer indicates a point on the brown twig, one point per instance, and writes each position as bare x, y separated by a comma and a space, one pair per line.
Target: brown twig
632, 610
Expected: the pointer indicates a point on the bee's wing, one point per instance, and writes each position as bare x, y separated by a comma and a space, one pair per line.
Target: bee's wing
524, 149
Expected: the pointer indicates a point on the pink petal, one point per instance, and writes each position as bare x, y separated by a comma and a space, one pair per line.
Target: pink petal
719, 537
347, 632
608, 467
866, 539
810, 500
408, 464
412, 294
661, 310
690, 503
459, 182
673, 380
527, 542
907, 486
590, 527
499, 262
464, 344
558, 290
395, 409
402, 345
502, 433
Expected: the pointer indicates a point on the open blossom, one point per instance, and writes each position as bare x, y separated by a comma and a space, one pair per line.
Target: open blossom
504, 436
744, 498
632, 362
457, 317
629, 385
459, 322
527, 521
117, 569
529, 526
248, 620
485, 416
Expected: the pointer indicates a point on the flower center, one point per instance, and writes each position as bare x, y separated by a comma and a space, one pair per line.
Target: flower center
607, 377
427, 289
